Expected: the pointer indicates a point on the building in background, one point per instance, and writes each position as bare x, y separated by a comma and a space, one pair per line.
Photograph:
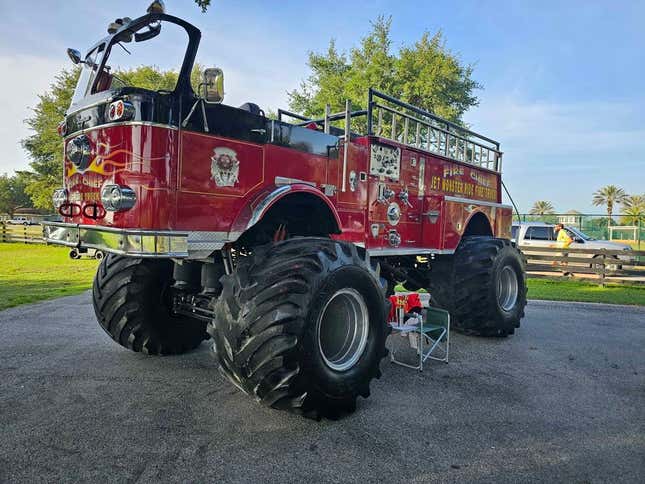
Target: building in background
572, 218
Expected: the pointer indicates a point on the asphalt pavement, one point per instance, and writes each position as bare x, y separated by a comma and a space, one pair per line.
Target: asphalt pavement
563, 400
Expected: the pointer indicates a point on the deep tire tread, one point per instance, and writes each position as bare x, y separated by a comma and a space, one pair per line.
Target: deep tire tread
464, 287
126, 295
261, 318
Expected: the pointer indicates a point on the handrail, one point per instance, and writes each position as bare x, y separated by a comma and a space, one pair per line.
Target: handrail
291, 115
446, 141
422, 112
436, 128
440, 135
334, 117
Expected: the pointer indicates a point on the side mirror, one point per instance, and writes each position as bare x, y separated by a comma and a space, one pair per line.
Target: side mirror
578, 240
74, 55
212, 86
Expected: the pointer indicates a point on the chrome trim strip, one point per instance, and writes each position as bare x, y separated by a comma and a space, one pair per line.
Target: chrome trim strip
406, 251
261, 207
129, 231
136, 242
123, 123
106, 100
470, 201
283, 180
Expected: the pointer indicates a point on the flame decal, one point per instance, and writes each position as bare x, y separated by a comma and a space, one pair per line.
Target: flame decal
101, 163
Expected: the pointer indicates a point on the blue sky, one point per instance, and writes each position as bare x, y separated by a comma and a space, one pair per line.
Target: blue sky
563, 81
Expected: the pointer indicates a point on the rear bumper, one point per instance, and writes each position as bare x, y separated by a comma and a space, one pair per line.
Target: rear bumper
135, 242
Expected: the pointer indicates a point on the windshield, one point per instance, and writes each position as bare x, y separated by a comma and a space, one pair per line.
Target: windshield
580, 234
149, 58
88, 73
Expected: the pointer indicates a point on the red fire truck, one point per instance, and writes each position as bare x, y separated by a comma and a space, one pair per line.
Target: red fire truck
279, 240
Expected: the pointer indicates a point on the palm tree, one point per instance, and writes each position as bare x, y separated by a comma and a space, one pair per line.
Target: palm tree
634, 201
542, 207
609, 196
633, 210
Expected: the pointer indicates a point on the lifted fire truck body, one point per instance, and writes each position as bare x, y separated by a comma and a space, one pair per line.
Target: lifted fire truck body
278, 239
171, 172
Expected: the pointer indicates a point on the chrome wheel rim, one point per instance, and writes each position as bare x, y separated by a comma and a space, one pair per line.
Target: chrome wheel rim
342, 329
507, 288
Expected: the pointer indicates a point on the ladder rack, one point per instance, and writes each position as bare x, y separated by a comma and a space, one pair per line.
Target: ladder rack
396, 120
425, 131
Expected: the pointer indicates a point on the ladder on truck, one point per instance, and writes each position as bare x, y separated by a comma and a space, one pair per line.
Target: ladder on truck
396, 120
425, 131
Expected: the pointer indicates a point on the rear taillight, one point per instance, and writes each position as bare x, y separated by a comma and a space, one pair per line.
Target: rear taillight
120, 111
62, 128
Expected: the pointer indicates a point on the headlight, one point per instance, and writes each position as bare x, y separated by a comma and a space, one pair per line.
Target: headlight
116, 198
78, 151
59, 197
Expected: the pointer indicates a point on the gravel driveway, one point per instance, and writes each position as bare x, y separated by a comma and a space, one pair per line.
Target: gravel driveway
562, 400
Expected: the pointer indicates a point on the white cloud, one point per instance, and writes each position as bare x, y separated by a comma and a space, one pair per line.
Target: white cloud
23, 78
564, 152
573, 129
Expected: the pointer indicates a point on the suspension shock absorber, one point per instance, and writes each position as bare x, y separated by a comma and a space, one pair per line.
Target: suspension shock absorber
187, 276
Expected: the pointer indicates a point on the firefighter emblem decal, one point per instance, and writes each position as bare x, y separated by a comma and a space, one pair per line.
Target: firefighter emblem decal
225, 167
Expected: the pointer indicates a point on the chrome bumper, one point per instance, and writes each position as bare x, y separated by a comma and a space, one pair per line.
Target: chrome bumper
137, 243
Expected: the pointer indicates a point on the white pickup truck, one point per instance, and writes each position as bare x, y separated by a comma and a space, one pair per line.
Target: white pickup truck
540, 234
21, 221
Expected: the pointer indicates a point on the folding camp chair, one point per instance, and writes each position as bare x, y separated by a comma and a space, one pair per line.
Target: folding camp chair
431, 334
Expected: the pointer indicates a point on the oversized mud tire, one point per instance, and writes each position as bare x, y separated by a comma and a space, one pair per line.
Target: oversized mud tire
131, 304
483, 286
301, 326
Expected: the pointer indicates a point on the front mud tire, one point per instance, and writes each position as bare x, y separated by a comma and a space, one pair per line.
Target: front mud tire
131, 304
483, 286
270, 318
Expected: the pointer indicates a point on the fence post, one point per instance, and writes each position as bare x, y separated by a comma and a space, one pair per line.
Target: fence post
602, 273
4, 232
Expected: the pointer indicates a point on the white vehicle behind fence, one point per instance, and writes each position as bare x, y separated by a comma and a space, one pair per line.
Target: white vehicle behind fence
529, 235
21, 221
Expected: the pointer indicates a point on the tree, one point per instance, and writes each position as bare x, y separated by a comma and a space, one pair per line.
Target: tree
12, 194
425, 74
45, 146
633, 210
203, 4
542, 207
609, 195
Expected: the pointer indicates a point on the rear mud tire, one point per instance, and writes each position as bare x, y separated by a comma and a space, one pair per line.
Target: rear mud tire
267, 335
474, 287
131, 304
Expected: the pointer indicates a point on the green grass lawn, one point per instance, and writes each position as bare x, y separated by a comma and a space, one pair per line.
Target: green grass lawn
585, 292
31, 273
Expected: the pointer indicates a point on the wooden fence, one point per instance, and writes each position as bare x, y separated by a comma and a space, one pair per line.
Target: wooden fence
26, 234
599, 265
